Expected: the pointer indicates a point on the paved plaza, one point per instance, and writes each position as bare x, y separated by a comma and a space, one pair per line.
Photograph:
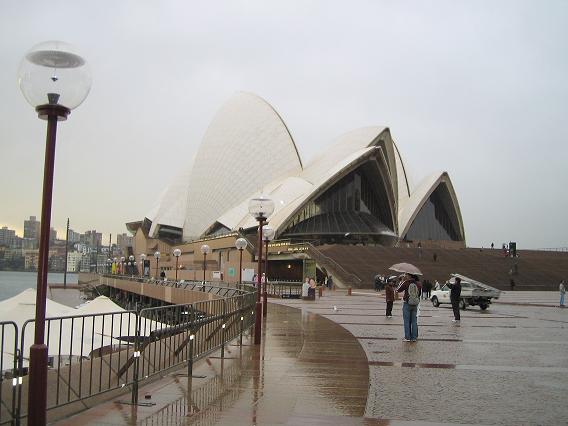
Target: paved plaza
338, 361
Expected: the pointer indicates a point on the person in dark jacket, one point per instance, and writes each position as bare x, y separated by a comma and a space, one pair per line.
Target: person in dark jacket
389, 297
455, 296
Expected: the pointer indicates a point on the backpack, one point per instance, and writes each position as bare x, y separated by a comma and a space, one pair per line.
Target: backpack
413, 295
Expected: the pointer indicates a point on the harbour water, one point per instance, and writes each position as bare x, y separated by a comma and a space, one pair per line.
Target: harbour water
13, 283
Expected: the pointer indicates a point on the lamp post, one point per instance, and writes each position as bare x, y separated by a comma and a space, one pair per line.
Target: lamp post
205, 249
131, 265
142, 259
54, 79
267, 236
157, 256
177, 254
240, 244
260, 208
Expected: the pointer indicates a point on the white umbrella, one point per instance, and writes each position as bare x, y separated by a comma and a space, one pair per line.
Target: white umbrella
405, 268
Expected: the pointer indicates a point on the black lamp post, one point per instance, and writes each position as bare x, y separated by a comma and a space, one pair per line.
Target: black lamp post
54, 79
240, 244
177, 254
157, 256
142, 259
205, 249
260, 208
267, 236
131, 264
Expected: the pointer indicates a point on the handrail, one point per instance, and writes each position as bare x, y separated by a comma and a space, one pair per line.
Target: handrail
92, 354
318, 253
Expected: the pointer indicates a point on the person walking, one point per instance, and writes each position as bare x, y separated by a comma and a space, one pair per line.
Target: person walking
455, 296
389, 297
562, 289
411, 288
330, 282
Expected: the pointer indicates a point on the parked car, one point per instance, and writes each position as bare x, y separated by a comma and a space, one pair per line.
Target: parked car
472, 293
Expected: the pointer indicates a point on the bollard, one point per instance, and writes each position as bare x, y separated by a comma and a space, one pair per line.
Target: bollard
348, 291
320, 291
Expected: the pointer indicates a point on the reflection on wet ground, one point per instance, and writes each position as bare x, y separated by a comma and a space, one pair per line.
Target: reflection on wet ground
348, 366
307, 366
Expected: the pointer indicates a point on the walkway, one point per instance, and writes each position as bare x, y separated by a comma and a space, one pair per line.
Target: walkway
339, 361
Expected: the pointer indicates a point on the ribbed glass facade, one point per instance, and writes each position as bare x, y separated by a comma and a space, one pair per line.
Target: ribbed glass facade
351, 206
433, 222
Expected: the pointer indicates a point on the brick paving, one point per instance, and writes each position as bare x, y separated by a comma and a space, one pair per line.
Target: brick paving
338, 361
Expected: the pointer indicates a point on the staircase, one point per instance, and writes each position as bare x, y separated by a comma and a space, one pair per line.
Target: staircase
535, 270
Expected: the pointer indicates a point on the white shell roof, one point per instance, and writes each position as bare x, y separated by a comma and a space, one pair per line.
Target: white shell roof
171, 209
248, 150
290, 194
246, 147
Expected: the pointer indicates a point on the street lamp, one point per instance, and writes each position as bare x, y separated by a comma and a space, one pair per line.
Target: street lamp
157, 256
260, 208
205, 249
240, 244
267, 235
142, 259
177, 254
54, 79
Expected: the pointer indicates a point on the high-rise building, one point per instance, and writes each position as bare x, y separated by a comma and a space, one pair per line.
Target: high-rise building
32, 228
52, 235
92, 238
74, 259
7, 237
123, 241
74, 237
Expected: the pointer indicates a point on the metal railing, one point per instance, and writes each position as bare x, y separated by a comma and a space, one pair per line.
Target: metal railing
339, 270
96, 353
284, 289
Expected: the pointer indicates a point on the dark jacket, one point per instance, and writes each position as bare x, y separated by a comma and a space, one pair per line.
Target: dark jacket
404, 287
389, 293
455, 292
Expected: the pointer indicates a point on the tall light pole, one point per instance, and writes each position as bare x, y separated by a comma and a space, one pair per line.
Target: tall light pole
260, 208
240, 244
157, 256
131, 265
267, 236
205, 249
177, 254
66, 254
142, 259
54, 79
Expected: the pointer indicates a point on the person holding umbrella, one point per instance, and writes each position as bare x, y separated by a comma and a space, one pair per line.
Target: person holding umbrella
412, 289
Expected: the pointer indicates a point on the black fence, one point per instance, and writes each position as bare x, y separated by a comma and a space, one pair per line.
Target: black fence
96, 353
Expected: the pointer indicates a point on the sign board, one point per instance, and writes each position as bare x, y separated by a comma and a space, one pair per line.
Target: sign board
248, 273
216, 275
231, 271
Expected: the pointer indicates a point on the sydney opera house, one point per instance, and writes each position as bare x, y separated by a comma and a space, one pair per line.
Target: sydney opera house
356, 191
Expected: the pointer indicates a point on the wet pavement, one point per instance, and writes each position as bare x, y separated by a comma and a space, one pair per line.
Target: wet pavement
338, 361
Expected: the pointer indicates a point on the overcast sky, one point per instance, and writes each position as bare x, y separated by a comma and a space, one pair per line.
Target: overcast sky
476, 88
